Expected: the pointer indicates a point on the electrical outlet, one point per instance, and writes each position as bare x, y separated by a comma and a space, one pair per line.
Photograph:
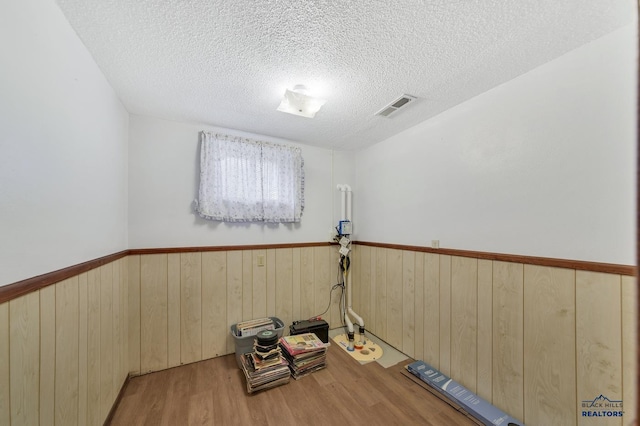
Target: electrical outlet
261, 260
435, 243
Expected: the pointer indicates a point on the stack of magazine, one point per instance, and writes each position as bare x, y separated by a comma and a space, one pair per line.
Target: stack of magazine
305, 353
265, 368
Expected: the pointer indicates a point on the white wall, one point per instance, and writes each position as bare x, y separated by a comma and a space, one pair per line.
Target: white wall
63, 156
163, 182
543, 165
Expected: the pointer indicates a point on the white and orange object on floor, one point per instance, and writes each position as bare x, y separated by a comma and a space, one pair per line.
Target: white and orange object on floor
369, 351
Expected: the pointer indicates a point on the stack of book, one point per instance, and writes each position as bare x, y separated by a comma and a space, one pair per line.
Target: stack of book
305, 353
265, 368
253, 327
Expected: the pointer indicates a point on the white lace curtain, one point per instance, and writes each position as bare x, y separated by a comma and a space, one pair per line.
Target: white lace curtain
243, 180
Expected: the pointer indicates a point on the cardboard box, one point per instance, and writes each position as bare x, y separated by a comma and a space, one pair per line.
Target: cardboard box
439, 395
462, 397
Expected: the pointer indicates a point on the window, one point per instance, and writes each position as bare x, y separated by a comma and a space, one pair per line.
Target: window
243, 180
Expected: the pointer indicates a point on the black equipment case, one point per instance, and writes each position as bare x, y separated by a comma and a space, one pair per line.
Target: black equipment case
319, 327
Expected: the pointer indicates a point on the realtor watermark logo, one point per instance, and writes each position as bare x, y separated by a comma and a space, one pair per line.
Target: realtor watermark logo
601, 406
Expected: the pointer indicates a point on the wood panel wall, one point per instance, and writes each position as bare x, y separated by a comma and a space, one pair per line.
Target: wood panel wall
536, 341
182, 305
63, 350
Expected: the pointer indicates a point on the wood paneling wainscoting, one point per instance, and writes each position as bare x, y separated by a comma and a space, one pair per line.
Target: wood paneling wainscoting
64, 349
534, 340
68, 342
182, 305
536, 337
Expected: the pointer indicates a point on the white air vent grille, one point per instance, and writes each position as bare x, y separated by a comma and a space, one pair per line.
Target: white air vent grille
394, 106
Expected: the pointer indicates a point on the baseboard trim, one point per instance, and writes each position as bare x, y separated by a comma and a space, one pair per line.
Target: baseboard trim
20, 288
168, 250
609, 268
114, 407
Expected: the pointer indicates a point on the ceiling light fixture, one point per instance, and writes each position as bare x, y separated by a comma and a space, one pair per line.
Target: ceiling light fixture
297, 102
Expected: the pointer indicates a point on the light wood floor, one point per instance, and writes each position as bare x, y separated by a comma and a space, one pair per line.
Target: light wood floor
213, 392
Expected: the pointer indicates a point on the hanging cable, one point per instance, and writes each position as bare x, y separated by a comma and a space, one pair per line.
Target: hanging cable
338, 285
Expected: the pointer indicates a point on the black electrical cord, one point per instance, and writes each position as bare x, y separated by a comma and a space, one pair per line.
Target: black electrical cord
343, 309
344, 263
340, 276
341, 285
343, 266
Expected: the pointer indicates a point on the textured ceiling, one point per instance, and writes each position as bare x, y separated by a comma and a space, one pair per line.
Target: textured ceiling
228, 63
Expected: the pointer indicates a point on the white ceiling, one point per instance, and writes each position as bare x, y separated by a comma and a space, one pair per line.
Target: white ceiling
228, 63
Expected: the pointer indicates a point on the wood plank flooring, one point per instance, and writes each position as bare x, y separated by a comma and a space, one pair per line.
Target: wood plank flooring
213, 392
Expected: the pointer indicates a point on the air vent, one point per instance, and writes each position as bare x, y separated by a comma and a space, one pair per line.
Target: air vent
394, 106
